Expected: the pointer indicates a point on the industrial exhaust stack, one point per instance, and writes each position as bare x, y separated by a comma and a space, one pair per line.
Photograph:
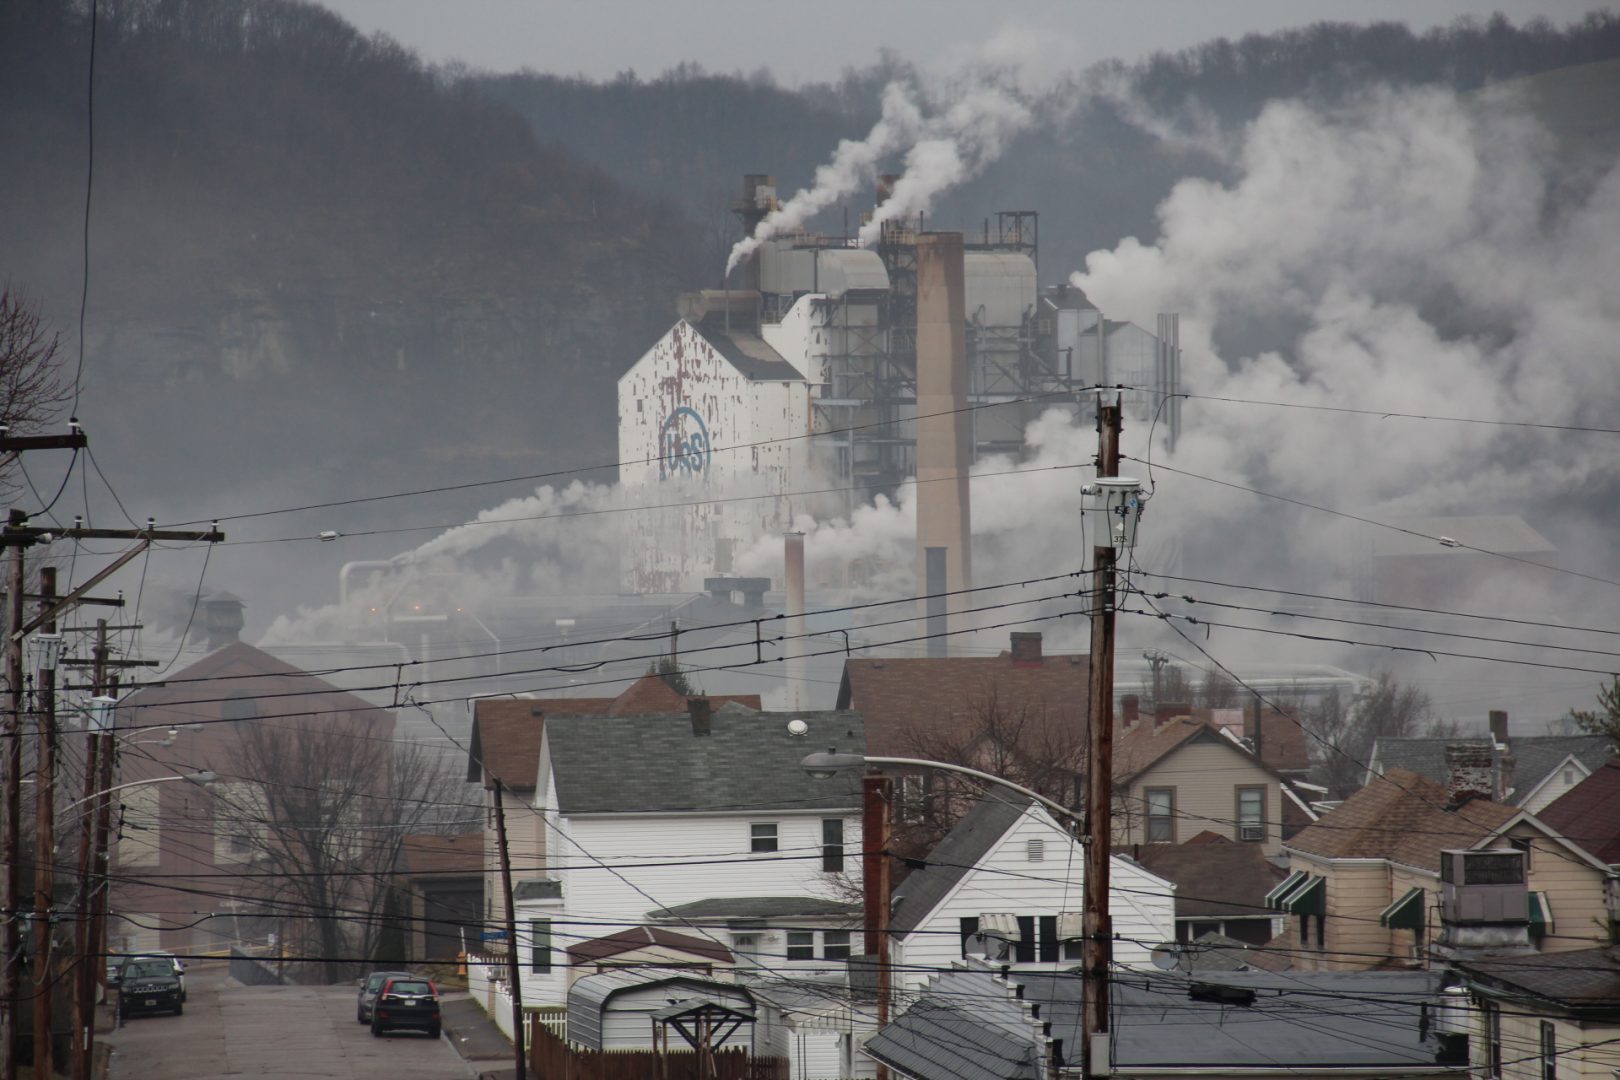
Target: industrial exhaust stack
944, 442
793, 675
758, 199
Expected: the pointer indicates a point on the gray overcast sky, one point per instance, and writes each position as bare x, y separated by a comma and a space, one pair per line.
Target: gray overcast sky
812, 41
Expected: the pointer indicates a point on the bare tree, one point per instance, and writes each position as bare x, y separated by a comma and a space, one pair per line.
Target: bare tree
1344, 731
1605, 720
325, 805
1218, 690
1027, 744
31, 389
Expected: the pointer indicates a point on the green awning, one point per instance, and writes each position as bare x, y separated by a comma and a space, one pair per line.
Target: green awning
1309, 899
1274, 898
1407, 913
1541, 916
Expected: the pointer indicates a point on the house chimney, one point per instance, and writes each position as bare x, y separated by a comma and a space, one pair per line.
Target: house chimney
222, 619
1499, 727
702, 716
1254, 728
793, 581
1470, 772
1130, 709
1163, 714
944, 443
1026, 649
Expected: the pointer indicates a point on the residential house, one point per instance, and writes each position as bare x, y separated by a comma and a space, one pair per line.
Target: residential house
1589, 815
974, 1023
1009, 879
1528, 771
1546, 1016
505, 746
702, 822
443, 879
1221, 887
1177, 774
181, 848
1366, 881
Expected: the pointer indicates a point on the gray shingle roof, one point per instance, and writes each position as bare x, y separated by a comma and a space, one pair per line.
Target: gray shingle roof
952, 858
748, 762
1534, 756
757, 907
748, 353
1583, 980
965, 1025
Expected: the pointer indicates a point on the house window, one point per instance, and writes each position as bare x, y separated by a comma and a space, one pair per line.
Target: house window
1549, 1051
913, 801
1161, 815
241, 843
1569, 776
1522, 843
801, 945
832, 845
540, 944
1024, 953
1049, 939
835, 945
1493, 1037
969, 925
1251, 813
762, 837
1035, 850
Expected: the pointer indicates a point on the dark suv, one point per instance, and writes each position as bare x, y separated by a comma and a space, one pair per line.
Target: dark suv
370, 987
406, 1001
149, 984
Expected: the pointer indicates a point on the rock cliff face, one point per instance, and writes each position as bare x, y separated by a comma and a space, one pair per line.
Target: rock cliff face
308, 251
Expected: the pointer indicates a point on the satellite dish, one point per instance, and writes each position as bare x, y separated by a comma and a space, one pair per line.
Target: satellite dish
1166, 956
798, 728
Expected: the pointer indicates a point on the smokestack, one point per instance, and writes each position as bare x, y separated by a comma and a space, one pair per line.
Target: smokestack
1499, 727
702, 717
758, 199
222, 619
1470, 772
1130, 709
793, 582
944, 525
1026, 649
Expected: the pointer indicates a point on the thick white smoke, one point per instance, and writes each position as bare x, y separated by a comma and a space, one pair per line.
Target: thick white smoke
940, 152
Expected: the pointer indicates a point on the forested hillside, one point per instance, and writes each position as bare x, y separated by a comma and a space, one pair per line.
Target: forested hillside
307, 249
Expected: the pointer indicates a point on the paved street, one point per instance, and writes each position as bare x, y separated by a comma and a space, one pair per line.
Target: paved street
283, 1031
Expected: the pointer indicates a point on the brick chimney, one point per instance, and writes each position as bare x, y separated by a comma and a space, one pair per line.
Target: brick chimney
222, 619
1470, 772
699, 710
1026, 649
1163, 714
1130, 710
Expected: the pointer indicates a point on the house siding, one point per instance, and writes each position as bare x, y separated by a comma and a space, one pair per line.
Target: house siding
1575, 889
1352, 939
1142, 906
1579, 1057
1553, 786
1206, 776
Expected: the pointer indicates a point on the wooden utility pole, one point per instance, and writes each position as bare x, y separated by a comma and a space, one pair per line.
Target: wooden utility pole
876, 797
11, 838
85, 941
45, 842
513, 967
1098, 930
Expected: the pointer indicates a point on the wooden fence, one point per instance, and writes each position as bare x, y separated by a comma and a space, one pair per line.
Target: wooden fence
550, 1058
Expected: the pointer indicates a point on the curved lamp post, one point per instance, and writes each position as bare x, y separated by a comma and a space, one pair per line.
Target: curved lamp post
826, 765
203, 777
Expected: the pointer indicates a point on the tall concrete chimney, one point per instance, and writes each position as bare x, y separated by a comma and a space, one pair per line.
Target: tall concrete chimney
758, 199
944, 450
794, 673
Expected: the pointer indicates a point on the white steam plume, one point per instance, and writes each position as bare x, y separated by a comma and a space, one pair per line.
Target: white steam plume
853, 165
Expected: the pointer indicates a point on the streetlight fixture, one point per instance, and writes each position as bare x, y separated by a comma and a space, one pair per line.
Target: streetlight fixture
826, 765
202, 777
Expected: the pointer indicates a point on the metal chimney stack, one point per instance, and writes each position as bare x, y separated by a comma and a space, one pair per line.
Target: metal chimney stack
944, 446
794, 669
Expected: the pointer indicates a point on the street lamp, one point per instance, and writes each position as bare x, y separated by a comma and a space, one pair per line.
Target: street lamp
824, 766
204, 777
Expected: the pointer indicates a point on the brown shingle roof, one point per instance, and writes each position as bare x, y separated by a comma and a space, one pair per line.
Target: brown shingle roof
506, 731
443, 855
640, 937
1142, 745
1589, 813
906, 698
1217, 877
1403, 817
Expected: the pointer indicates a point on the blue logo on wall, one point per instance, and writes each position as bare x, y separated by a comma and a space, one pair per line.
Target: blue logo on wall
683, 445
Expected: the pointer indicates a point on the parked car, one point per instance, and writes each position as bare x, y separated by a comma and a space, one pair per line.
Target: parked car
179, 966
149, 984
370, 987
406, 1001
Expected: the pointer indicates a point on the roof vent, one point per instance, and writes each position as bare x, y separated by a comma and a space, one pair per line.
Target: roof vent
798, 728
702, 715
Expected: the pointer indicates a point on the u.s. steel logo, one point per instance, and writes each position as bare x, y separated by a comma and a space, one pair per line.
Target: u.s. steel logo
683, 445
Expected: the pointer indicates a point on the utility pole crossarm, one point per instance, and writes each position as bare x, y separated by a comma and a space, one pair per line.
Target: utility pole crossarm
18, 443
72, 598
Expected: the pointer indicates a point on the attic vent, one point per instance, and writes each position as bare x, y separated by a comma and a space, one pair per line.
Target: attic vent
1036, 850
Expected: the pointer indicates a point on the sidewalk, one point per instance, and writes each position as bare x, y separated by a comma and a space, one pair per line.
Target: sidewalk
472, 1032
